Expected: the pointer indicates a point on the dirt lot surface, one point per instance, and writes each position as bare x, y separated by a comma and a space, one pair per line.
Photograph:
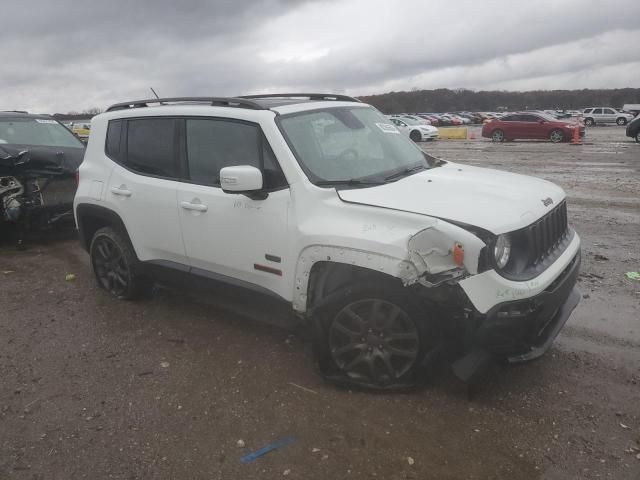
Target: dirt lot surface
95, 388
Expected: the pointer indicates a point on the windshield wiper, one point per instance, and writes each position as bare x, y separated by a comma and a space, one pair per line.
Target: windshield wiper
350, 182
404, 172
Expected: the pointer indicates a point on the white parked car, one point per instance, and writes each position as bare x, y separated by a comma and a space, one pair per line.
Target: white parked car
595, 115
415, 130
387, 254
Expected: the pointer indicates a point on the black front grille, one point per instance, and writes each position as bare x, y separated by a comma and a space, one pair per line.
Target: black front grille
547, 233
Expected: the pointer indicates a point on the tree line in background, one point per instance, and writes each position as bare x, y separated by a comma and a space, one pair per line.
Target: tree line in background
445, 100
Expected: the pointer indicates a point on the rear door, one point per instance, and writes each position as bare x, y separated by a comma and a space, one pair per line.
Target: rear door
609, 115
143, 185
509, 124
234, 237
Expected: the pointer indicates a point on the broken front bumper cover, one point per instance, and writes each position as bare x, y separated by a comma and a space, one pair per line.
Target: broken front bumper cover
523, 330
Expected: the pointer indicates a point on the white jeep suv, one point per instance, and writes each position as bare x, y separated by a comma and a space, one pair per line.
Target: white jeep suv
391, 256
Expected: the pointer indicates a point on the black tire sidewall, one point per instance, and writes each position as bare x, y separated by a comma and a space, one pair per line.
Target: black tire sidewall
498, 130
134, 281
621, 121
415, 136
589, 122
429, 334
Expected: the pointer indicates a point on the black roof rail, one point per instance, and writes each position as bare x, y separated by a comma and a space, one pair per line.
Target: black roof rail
15, 111
310, 96
237, 102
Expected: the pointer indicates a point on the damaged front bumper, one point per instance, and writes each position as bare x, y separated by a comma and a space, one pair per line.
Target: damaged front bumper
516, 321
523, 330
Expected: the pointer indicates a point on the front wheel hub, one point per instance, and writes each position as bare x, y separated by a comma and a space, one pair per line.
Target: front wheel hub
374, 341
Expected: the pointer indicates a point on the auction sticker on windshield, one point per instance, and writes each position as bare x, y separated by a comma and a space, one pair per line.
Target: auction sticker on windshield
387, 128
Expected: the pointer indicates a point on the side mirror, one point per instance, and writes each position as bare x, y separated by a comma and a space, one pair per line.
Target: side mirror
240, 179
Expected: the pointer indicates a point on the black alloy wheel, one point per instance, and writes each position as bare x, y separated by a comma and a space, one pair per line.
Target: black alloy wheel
374, 341
115, 265
110, 267
415, 135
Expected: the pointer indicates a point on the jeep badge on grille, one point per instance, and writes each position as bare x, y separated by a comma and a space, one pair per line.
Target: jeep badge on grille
547, 201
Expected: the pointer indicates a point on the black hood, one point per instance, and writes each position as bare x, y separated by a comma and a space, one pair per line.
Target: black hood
37, 160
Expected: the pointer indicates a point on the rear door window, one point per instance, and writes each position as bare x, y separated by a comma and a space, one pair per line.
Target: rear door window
152, 147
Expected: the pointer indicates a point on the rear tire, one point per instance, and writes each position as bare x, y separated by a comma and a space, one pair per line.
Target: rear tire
375, 335
415, 135
589, 122
556, 136
621, 121
116, 266
497, 135
638, 137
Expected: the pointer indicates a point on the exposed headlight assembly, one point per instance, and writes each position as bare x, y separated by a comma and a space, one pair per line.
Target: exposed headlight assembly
502, 250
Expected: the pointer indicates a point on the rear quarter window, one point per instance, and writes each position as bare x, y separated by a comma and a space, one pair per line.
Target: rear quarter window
113, 140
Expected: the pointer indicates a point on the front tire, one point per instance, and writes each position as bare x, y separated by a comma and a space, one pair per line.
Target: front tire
497, 135
376, 336
556, 136
115, 265
589, 122
416, 136
621, 121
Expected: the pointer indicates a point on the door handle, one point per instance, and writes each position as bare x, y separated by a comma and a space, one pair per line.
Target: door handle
198, 207
121, 190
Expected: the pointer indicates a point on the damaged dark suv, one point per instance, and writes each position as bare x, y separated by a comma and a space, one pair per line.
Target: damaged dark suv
39, 158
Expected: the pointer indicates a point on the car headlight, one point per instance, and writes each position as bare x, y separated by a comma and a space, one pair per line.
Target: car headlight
502, 250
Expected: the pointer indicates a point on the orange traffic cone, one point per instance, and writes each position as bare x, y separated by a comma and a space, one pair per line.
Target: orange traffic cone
576, 133
472, 136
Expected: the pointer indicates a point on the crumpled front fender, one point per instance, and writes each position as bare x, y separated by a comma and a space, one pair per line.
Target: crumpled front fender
431, 249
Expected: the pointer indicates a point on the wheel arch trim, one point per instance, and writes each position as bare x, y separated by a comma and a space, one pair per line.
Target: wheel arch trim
399, 268
85, 211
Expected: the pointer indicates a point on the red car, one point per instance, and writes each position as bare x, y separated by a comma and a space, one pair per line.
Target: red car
528, 125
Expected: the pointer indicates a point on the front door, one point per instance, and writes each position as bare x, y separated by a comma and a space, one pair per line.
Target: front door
232, 236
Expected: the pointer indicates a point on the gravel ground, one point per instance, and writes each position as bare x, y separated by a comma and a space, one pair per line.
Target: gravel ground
95, 388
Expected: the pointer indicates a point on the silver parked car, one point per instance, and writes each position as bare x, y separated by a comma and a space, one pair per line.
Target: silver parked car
595, 115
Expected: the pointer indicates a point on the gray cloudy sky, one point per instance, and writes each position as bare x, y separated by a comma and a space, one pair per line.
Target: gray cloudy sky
63, 55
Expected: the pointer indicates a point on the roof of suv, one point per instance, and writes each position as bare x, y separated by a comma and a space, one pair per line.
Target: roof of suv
251, 102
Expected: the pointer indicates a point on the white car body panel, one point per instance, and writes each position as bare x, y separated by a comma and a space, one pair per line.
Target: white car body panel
466, 194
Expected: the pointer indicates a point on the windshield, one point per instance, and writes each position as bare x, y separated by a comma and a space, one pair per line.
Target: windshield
37, 132
547, 116
348, 144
